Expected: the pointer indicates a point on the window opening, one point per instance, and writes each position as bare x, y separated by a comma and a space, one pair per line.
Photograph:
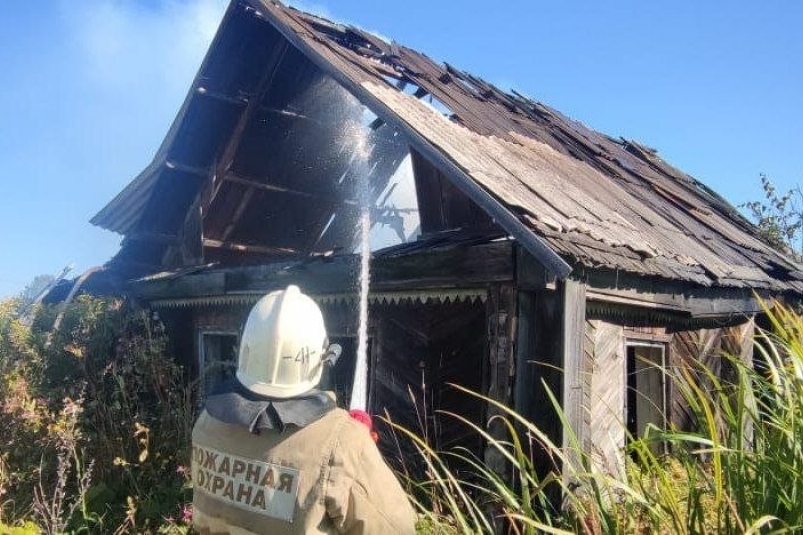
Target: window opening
217, 359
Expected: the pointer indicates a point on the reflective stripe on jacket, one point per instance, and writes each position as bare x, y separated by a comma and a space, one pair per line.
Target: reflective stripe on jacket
326, 477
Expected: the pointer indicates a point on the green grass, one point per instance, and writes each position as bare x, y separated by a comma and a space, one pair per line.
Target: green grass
28, 528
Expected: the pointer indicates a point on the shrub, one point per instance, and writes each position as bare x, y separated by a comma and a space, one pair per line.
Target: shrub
99, 418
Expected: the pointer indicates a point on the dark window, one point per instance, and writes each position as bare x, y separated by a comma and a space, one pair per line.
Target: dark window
217, 359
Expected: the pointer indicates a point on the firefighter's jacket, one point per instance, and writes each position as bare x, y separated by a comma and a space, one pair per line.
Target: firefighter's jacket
255, 471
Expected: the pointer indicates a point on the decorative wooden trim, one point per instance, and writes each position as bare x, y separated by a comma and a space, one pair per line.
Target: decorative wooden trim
440, 297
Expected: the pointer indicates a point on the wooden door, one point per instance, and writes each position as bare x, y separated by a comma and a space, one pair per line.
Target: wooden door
646, 390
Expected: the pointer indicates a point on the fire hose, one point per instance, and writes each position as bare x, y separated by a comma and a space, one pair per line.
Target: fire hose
357, 413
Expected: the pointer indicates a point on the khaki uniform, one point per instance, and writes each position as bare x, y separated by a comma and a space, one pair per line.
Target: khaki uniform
325, 477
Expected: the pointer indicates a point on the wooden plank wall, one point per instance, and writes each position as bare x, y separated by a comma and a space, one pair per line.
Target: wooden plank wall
738, 342
550, 340
686, 349
418, 348
605, 353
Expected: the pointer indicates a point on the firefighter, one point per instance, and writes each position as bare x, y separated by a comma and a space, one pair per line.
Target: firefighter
273, 454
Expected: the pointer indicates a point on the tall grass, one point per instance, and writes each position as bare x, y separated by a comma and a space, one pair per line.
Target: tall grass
739, 471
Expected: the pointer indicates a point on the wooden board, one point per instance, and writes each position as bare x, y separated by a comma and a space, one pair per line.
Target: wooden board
605, 350
501, 332
688, 348
573, 357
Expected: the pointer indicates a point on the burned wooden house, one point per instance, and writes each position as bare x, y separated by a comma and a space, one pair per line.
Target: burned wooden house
511, 246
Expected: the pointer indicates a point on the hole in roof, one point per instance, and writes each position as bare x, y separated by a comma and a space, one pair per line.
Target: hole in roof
424, 96
392, 80
437, 105
394, 214
411, 89
368, 117
471, 88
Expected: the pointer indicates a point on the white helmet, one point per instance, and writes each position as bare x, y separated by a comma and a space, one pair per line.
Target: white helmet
283, 346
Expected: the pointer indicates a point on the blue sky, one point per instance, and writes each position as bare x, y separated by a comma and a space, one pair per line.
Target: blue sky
89, 89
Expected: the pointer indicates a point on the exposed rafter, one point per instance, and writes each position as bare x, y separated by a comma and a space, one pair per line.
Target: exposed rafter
153, 236
240, 100
556, 265
248, 248
230, 151
189, 169
252, 183
238, 213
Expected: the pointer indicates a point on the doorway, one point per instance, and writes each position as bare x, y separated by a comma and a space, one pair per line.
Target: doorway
646, 400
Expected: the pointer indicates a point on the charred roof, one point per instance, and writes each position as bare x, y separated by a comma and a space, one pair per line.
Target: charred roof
259, 164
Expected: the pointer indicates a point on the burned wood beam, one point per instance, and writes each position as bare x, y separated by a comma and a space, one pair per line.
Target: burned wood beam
154, 236
241, 100
245, 200
646, 293
230, 151
420, 93
248, 248
190, 285
227, 156
190, 243
210, 192
133, 268
283, 113
447, 270
251, 183
189, 169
